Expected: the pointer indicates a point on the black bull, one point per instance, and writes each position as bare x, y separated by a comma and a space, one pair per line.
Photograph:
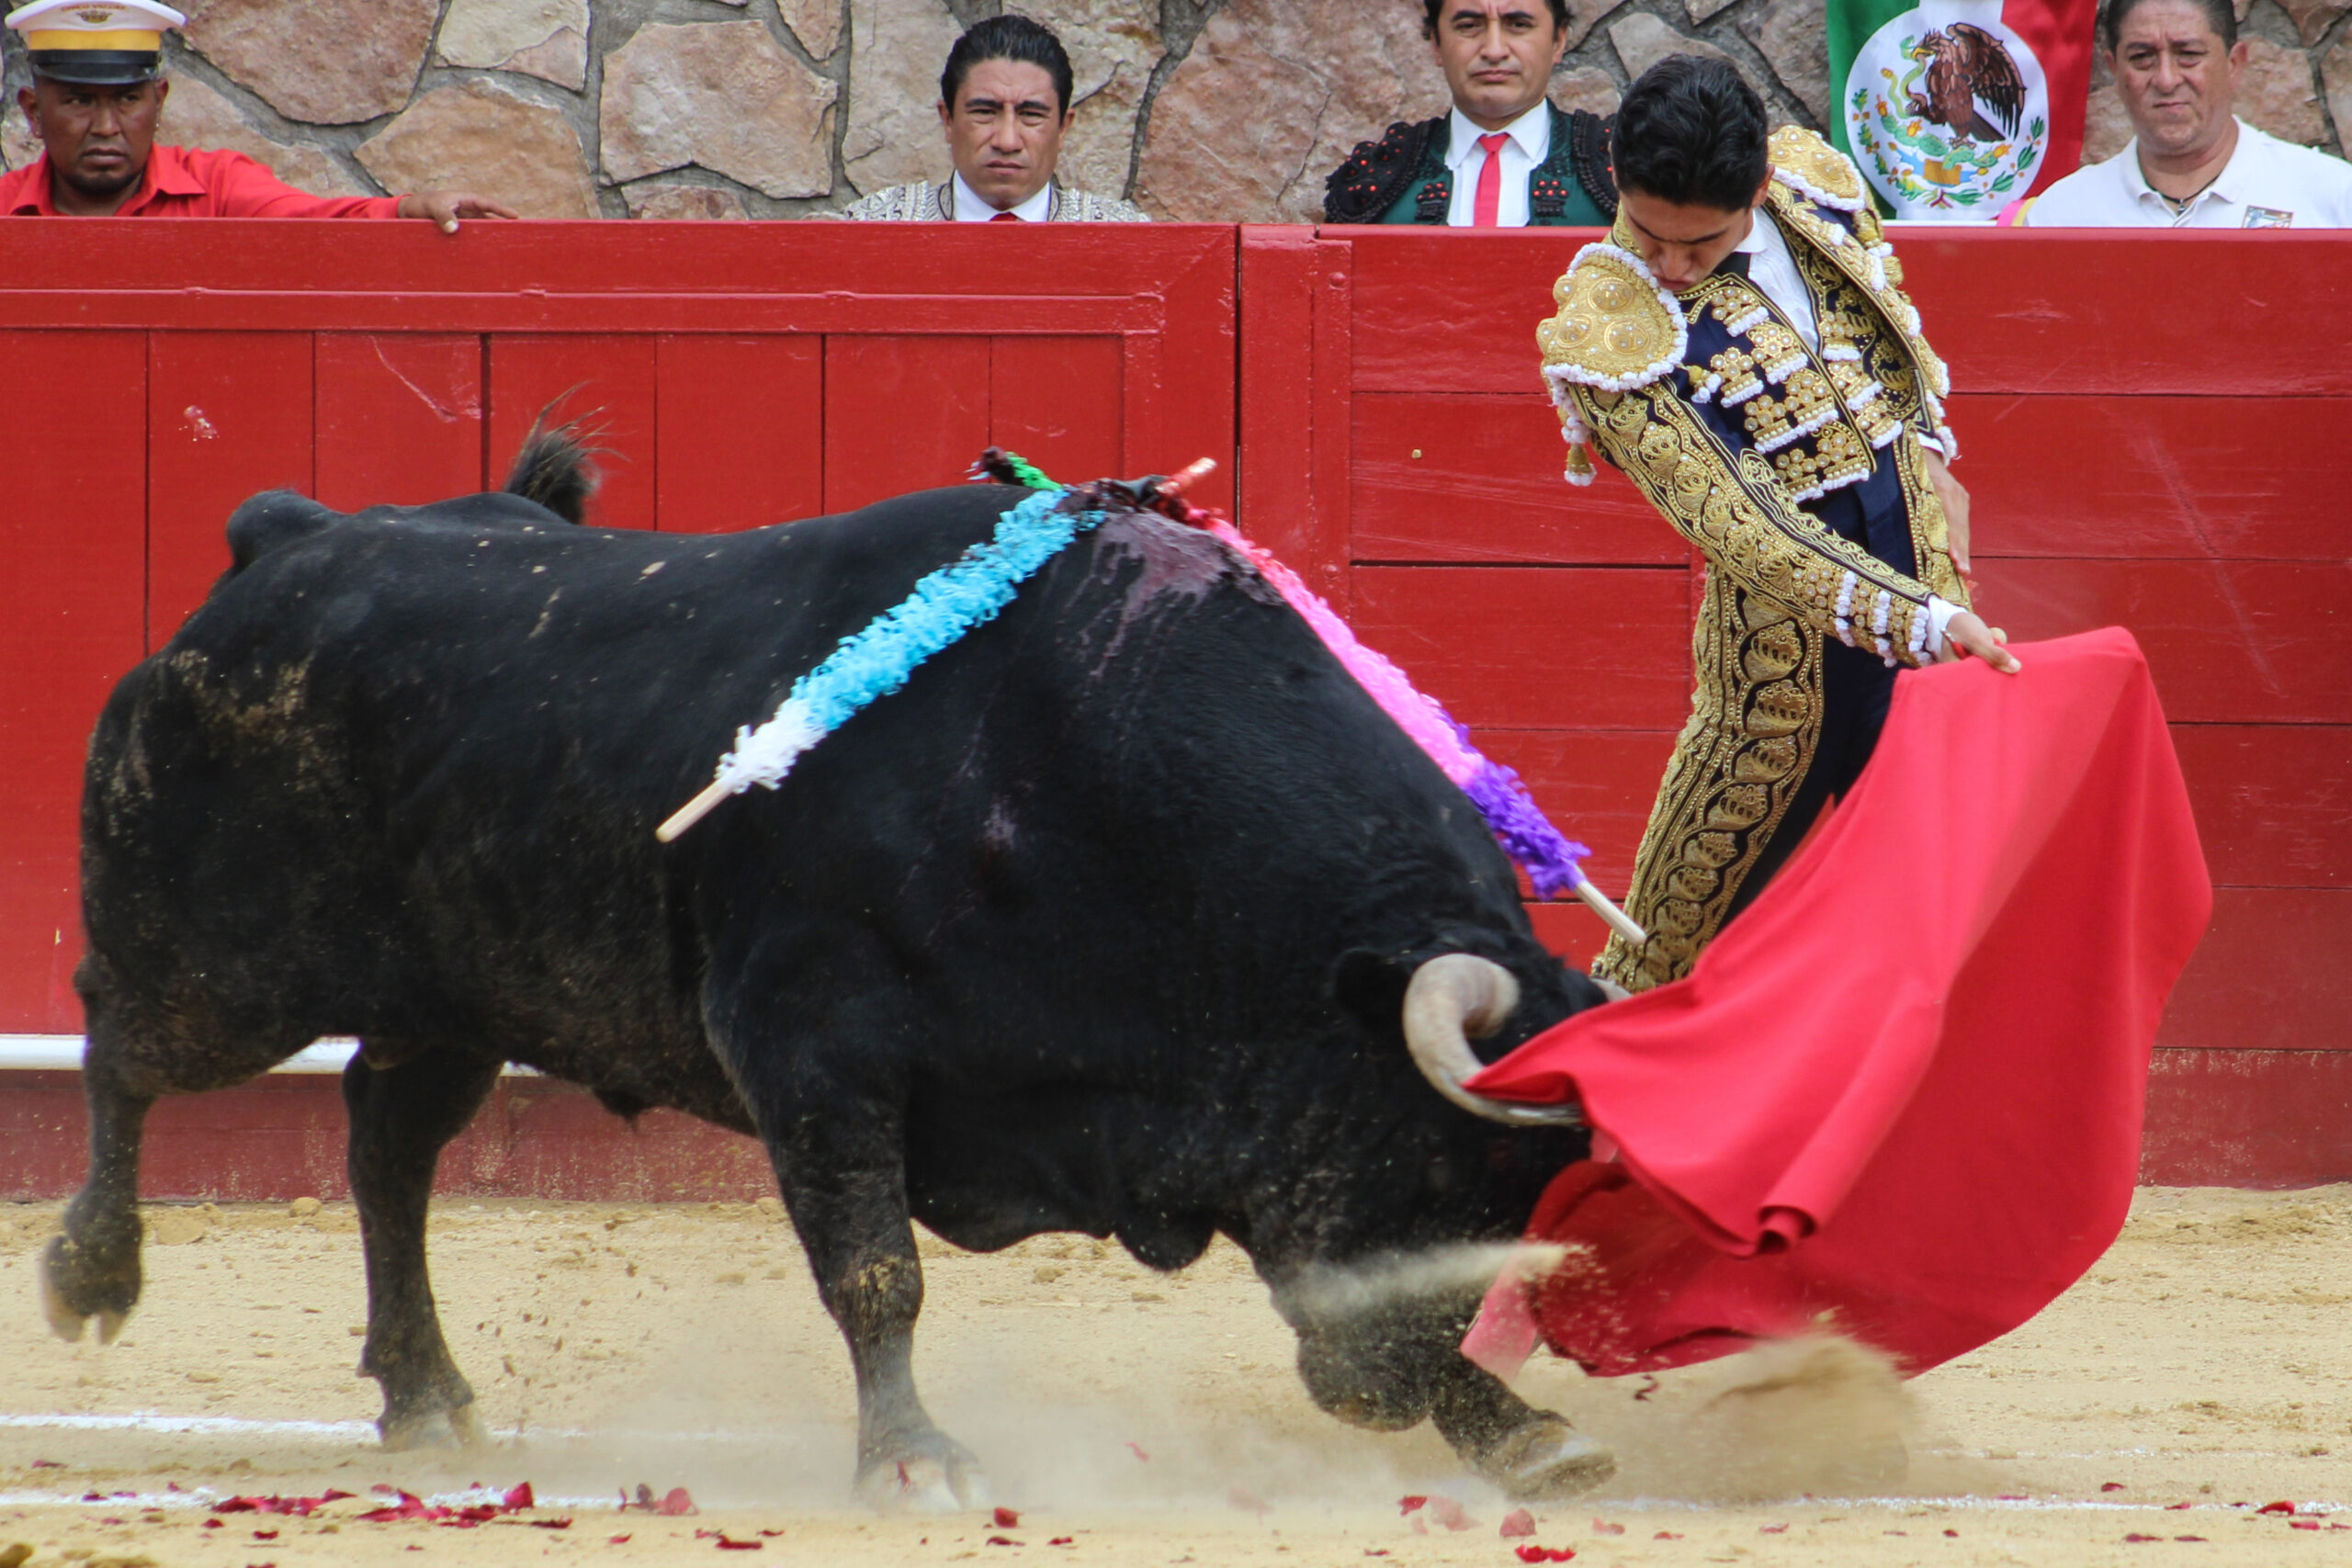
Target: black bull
1102, 923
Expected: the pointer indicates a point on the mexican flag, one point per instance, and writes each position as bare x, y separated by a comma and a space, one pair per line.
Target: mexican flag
1955, 109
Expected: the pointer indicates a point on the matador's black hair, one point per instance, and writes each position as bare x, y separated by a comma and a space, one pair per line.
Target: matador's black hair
1692, 132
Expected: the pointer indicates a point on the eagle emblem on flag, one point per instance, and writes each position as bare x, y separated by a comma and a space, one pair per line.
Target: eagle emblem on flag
1970, 78
1947, 111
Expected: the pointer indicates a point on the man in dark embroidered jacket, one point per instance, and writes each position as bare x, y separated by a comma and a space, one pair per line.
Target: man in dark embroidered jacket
1504, 157
1742, 348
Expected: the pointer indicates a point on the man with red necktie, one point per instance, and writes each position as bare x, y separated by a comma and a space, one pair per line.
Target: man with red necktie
1504, 158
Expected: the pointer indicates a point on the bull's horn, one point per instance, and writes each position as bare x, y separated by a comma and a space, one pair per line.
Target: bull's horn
1451, 999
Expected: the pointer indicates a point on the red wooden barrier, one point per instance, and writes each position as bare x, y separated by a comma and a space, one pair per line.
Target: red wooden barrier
2154, 428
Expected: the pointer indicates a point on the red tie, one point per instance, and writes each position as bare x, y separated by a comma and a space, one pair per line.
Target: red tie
1486, 212
1007, 218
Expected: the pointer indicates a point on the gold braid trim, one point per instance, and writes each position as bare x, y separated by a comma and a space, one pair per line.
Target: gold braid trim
1755, 722
1931, 537
1733, 508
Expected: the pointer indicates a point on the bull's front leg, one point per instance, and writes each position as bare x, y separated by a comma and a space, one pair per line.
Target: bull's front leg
842, 1170
92, 1270
1530, 1454
402, 1112
1389, 1364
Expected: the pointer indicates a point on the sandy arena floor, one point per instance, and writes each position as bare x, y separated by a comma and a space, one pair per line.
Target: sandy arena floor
2203, 1370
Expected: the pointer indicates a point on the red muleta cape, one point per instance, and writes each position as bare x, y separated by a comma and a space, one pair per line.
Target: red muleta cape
1899, 1097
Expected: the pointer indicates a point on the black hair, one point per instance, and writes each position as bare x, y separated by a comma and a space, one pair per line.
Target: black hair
1432, 9
1007, 38
1691, 131
2219, 15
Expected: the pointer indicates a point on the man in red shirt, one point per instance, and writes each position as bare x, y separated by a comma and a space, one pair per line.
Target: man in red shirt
97, 89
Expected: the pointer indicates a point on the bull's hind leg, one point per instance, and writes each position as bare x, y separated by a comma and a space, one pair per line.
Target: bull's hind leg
401, 1118
92, 1270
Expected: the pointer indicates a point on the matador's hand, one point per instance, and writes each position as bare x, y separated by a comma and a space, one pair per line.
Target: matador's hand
1967, 634
1954, 497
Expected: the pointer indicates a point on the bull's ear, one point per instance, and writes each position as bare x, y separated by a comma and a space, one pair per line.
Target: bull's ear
1370, 987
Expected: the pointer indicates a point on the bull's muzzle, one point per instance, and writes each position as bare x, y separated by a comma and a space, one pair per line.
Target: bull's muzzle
1452, 1001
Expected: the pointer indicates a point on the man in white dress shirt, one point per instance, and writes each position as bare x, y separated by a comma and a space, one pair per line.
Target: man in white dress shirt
1505, 158
1004, 107
2191, 163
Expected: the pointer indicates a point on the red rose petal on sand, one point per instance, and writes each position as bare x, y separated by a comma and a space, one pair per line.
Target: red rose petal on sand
1544, 1553
211, 1525
1002, 1541
2178, 1507
2188, 1538
2136, 1536
2302, 1524
551, 1524
2282, 1507
1368, 1551
1954, 1534
1519, 1521
1449, 1514
1063, 1541
676, 1504
1409, 1503
1670, 1535
772, 1534
1004, 1519
728, 1544
264, 1535
521, 1497
1602, 1527
52, 1464
617, 1540
2111, 1486
1776, 1530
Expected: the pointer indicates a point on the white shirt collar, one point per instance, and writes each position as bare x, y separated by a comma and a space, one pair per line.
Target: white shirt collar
1771, 267
1531, 130
2233, 172
972, 208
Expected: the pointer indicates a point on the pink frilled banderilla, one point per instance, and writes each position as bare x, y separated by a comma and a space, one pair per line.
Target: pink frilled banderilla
1526, 835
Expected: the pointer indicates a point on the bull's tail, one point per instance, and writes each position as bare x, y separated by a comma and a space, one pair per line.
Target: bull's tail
555, 467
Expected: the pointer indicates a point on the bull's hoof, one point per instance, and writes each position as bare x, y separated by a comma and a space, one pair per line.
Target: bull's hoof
1545, 1459
74, 1294
459, 1428
939, 1477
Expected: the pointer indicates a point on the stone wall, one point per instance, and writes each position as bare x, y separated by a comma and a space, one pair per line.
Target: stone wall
1211, 110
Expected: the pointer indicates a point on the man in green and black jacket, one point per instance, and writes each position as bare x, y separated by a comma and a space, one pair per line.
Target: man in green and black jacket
1505, 157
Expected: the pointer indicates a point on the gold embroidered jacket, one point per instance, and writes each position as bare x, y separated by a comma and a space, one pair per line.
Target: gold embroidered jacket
1801, 475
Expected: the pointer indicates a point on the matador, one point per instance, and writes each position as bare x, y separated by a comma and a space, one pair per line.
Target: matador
1742, 348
